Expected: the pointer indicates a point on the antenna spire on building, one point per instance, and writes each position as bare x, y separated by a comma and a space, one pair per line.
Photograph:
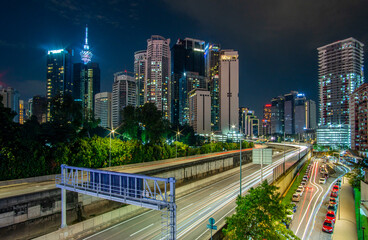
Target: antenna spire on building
86, 54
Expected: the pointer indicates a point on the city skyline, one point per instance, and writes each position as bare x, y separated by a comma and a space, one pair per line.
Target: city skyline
279, 57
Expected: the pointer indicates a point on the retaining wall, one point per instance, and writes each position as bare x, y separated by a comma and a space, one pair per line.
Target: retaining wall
35, 214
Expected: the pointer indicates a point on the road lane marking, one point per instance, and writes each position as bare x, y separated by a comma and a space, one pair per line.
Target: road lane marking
141, 230
213, 193
186, 207
108, 229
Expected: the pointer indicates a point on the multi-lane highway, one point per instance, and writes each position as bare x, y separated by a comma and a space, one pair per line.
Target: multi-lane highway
312, 207
193, 210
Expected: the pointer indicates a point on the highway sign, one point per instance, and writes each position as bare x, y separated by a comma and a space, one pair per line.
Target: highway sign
212, 221
211, 227
262, 154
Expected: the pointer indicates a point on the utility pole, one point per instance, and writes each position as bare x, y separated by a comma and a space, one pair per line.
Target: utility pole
241, 165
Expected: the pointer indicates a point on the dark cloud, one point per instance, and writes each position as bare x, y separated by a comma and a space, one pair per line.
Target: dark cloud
106, 12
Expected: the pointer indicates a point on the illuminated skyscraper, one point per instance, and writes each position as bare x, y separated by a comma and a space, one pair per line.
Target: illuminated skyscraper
229, 90
59, 76
86, 79
188, 60
140, 62
11, 100
265, 125
158, 76
277, 115
124, 93
103, 108
212, 63
199, 110
358, 104
340, 73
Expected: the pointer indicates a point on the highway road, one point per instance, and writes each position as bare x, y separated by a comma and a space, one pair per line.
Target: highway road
312, 207
193, 210
32, 186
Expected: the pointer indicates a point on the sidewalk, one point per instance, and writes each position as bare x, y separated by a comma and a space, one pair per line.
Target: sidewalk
346, 226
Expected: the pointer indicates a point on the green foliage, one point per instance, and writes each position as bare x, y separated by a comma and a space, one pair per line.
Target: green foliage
34, 149
355, 177
259, 215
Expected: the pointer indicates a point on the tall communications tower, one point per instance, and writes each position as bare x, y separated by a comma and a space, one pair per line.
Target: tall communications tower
86, 54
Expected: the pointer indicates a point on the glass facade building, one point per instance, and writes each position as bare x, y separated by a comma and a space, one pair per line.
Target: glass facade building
335, 136
212, 63
58, 75
140, 61
340, 73
188, 59
158, 78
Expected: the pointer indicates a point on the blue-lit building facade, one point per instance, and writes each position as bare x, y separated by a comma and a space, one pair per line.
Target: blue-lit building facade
212, 62
59, 76
340, 73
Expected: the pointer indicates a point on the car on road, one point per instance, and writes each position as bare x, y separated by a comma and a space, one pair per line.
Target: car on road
338, 182
332, 207
305, 178
328, 226
335, 188
331, 216
333, 201
299, 191
334, 195
322, 180
295, 198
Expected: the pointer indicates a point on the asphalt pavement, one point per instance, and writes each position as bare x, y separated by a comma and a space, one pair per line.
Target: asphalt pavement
312, 207
193, 210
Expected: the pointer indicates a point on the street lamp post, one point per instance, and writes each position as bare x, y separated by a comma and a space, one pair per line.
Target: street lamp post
176, 143
241, 140
284, 151
112, 131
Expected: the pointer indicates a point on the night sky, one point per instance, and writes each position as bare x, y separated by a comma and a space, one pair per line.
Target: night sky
276, 39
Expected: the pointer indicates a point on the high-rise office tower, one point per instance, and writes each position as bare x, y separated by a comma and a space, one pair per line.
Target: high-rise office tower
188, 82
358, 105
124, 93
249, 123
243, 111
265, 125
29, 108
199, 110
103, 108
311, 115
86, 79
21, 112
187, 57
158, 75
340, 73
59, 76
212, 63
277, 115
300, 114
289, 113
229, 90
140, 62
39, 108
11, 100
